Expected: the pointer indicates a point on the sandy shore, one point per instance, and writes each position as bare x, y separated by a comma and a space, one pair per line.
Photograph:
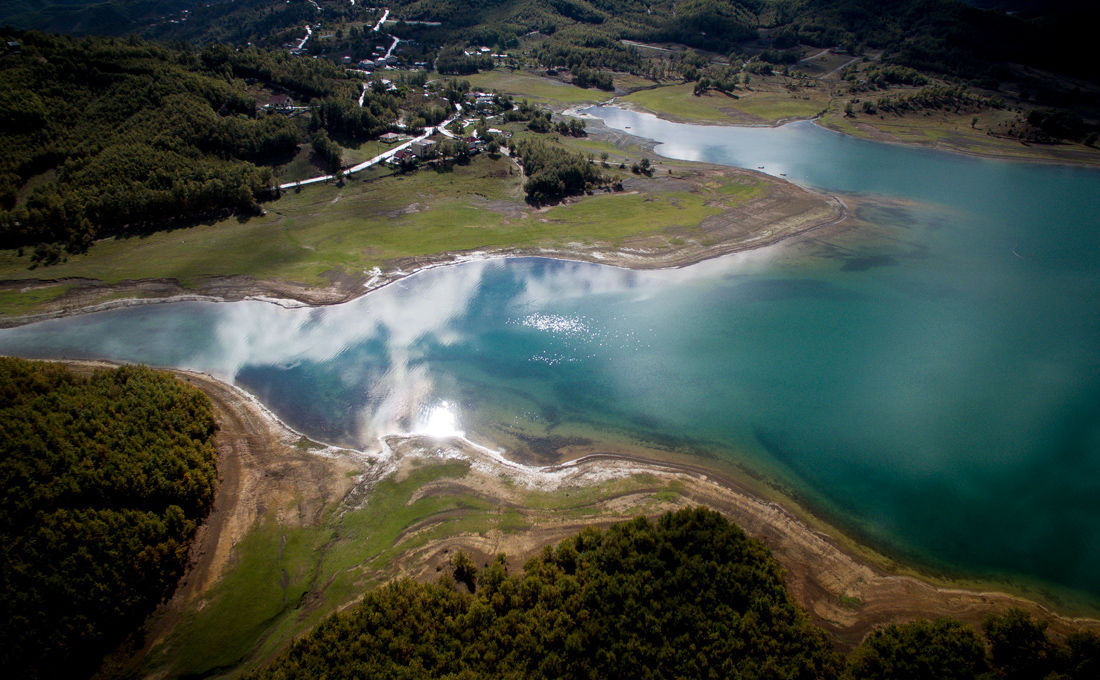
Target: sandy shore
262, 465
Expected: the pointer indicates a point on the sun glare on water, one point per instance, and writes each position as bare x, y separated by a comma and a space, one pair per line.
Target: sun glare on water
439, 421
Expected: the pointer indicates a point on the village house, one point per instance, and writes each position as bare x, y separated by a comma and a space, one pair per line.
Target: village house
402, 157
425, 148
279, 103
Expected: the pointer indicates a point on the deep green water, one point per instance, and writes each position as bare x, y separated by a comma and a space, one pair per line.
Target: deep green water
933, 383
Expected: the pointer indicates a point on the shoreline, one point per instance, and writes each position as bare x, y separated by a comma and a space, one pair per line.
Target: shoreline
819, 121
841, 588
344, 289
934, 146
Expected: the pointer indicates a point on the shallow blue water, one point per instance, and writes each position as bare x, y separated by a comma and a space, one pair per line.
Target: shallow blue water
936, 387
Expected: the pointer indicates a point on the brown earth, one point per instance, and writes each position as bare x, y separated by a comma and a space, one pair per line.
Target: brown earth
844, 593
263, 466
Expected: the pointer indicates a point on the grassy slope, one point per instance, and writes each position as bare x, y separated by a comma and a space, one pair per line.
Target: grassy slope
544, 90
284, 580
312, 231
677, 101
369, 223
957, 132
23, 301
766, 102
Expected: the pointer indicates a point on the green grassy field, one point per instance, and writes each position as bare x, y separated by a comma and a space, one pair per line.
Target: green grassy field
596, 147
679, 102
307, 232
364, 151
20, 302
364, 224
283, 580
530, 86
273, 568
634, 214
300, 167
767, 102
626, 81
778, 106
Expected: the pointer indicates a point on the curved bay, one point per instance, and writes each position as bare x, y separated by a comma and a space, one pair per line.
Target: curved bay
935, 384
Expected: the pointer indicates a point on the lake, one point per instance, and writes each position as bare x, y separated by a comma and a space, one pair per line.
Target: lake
932, 384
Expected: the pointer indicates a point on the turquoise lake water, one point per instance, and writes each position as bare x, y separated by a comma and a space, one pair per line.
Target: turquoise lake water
934, 384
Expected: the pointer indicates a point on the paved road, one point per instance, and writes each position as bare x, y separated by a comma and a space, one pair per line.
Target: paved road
635, 43
309, 32
385, 155
392, 47
381, 21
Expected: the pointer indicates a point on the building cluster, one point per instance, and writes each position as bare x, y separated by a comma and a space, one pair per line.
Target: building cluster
483, 52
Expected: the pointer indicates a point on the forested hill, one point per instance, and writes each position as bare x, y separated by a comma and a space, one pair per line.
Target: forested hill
103, 480
969, 39
116, 17
108, 136
689, 596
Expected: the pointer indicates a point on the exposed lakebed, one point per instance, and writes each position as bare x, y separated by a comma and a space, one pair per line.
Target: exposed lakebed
935, 385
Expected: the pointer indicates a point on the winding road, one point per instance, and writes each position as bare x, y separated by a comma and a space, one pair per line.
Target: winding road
389, 153
385, 155
309, 32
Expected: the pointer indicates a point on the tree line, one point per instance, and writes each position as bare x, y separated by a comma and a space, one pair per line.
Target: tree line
103, 481
113, 136
552, 171
687, 596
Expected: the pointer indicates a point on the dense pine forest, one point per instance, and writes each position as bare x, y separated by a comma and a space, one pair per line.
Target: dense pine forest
107, 136
690, 596
103, 480
687, 596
